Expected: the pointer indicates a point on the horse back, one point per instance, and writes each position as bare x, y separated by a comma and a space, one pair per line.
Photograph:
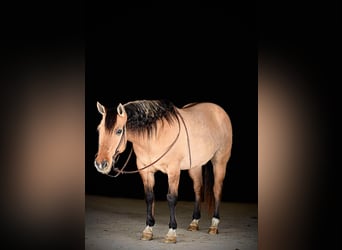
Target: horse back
207, 116
209, 128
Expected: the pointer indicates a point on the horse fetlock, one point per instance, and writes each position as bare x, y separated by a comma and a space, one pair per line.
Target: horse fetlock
193, 225
213, 229
171, 236
147, 234
215, 222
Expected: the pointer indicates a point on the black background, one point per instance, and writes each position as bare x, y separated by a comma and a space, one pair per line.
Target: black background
184, 56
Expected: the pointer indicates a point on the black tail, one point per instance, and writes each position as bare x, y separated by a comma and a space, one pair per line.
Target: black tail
208, 193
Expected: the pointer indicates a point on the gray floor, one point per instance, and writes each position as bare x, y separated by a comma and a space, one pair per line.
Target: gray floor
117, 223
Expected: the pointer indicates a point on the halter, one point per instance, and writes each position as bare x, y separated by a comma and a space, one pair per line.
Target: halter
121, 171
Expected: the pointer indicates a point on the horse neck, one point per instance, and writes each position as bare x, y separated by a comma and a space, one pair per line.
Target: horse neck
133, 137
143, 139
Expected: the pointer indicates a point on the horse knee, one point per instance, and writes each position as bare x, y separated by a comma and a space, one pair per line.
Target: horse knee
149, 196
172, 200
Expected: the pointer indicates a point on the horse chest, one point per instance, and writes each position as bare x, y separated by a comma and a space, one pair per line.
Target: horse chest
160, 160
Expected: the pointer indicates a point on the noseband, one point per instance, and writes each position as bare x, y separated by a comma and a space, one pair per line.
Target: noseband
116, 156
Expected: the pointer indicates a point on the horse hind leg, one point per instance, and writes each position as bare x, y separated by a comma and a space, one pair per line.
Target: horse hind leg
219, 169
196, 176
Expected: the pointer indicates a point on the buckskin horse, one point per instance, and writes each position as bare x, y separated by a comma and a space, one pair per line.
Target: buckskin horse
168, 139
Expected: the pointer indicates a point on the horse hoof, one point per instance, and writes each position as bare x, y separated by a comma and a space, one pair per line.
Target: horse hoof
146, 236
193, 227
213, 230
170, 239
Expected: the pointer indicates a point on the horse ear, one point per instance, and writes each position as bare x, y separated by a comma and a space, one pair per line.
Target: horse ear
121, 110
101, 108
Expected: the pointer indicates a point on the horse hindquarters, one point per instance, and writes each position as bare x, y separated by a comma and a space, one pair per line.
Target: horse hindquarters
214, 175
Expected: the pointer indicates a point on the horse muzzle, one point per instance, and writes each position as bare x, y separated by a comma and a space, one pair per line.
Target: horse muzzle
102, 166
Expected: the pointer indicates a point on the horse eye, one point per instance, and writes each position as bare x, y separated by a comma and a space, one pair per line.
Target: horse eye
118, 131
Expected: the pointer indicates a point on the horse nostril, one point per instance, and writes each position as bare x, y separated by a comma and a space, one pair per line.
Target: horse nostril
104, 164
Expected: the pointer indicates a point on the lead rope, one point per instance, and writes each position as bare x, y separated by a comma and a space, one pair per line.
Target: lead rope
187, 137
121, 171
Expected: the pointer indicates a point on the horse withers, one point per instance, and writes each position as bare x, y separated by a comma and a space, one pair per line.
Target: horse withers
168, 139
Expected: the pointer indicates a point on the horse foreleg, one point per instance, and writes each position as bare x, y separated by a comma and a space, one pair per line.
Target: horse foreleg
148, 181
171, 234
172, 197
148, 231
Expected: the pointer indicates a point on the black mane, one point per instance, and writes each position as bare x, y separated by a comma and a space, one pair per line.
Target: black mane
142, 115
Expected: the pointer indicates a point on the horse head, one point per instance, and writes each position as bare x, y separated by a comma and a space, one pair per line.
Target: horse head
112, 136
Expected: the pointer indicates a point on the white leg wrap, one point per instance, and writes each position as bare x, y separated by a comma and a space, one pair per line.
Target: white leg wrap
171, 232
193, 225
215, 222
148, 229
213, 229
147, 233
171, 236
194, 221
